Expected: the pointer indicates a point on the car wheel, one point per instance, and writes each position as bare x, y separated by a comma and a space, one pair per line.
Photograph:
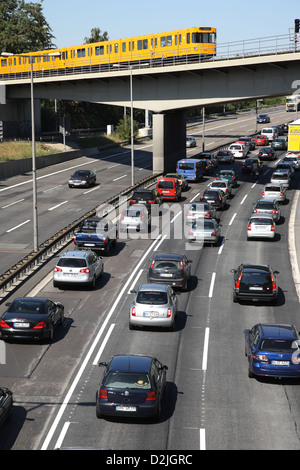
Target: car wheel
98, 413
51, 333
55, 284
93, 283
234, 297
250, 374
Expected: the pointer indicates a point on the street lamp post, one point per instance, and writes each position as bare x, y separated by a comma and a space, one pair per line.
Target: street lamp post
34, 185
131, 121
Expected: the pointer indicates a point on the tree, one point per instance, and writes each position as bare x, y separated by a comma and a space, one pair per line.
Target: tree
123, 129
96, 36
23, 27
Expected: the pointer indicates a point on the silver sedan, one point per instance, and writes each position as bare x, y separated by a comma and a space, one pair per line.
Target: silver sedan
205, 230
283, 178
274, 191
154, 305
197, 210
261, 226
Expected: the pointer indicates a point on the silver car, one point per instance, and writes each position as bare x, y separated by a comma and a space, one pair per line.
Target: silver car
221, 184
205, 230
78, 267
190, 141
197, 210
269, 206
154, 305
280, 177
293, 159
135, 217
274, 191
261, 226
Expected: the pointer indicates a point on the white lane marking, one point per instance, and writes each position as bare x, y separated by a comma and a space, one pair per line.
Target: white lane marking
135, 281
57, 205
242, 201
163, 238
120, 177
12, 203
96, 360
90, 190
232, 218
205, 349
17, 226
222, 246
51, 189
202, 439
194, 197
40, 285
62, 434
292, 244
90, 352
212, 283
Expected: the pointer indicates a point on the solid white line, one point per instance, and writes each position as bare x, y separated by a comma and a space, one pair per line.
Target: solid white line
90, 352
202, 439
96, 360
17, 226
135, 281
292, 244
62, 434
12, 203
212, 282
58, 205
120, 177
163, 238
205, 349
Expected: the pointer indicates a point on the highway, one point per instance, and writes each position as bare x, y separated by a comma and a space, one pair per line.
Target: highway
210, 402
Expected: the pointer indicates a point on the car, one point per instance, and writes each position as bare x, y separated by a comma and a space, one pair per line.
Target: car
170, 268
267, 153
210, 156
272, 350
261, 226
221, 184
205, 231
274, 191
279, 144
147, 197
285, 167
182, 180
293, 159
84, 178
96, 233
169, 188
6, 404
269, 206
225, 156
262, 118
239, 150
190, 141
155, 305
32, 318
255, 282
207, 166
196, 210
228, 175
261, 140
78, 267
216, 198
132, 386
280, 177
191, 168
270, 133
250, 164
284, 128
135, 218
248, 140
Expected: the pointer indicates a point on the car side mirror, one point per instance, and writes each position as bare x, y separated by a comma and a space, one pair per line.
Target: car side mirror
133, 291
246, 332
233, 270
102, 364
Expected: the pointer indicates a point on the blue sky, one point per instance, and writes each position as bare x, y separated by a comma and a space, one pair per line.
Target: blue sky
72, 20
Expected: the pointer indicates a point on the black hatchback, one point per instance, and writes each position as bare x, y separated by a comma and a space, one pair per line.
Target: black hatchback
216, 198
132, 386
148, 197
255, 282
172, 269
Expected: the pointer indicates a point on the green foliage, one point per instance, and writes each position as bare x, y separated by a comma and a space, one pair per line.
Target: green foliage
96, 36
123, 129
23, 27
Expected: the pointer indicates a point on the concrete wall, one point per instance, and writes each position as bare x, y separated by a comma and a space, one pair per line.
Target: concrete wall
16, 118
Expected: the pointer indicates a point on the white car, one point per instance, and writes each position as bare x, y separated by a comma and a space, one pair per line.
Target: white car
221, 184
239, 150
190, 141
274, 191
280, 177
78, 267
293, 159
261, 225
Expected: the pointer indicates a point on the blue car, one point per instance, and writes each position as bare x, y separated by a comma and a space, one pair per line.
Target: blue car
273, 350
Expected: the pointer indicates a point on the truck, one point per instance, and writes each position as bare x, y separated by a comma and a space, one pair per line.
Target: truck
96, 233
292, 103
294, 136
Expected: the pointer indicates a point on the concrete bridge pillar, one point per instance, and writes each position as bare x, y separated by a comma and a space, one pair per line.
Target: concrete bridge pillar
169, 140
16, 118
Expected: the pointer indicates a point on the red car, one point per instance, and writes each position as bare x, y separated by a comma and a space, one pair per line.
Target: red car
261, 140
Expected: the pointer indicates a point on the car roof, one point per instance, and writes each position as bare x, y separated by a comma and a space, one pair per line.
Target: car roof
266, 201
154, 287
282, 331
169, 256
255, 267
144, 190
130, 363
260, 215
76, 254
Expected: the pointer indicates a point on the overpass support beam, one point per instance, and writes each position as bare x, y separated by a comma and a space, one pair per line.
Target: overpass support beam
16, 118
169, 140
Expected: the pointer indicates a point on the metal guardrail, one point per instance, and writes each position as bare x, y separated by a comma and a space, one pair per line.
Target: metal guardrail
21, 271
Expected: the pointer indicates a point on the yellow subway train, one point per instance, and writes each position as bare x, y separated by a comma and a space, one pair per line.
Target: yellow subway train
173, 47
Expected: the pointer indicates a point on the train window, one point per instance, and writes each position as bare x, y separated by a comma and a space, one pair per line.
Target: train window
80, 52
4, 62
188, 38
116, 48
162, 41
176, 40
133, 45
140, 45
196, 37
179, 39
145, 44
205, 37
169, 40
123, 46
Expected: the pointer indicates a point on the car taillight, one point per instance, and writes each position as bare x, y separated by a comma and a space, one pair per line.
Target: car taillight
133, 311
207, 214
263, 193
181, 265
237, 284
3, 324
188, 213
40, 326
232, 179
190, 233
151, 202
169, 312
213, 234
273, 282
260, 357
132, 201
249, 227
272, 228
122, 216
255, 210
274, 212
281, 194
57, 270
103, 394
152, 264
85, 270
151, 396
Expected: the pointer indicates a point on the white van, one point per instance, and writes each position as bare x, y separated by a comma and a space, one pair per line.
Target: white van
238, 150
270, 133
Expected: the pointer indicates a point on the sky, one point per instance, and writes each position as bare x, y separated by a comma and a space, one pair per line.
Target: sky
72, 20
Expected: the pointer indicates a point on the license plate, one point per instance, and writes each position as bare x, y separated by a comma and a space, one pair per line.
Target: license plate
166, 192
259, 227
22, 325
255, 288
126, 408
89, 244
151, 314
166, 275
280, 363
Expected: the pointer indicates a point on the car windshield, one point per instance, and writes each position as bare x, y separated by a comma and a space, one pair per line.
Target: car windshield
145, 195
80, 174
72, 263
166, 264
206, 224
133, 213
22, 306
186, 166
165, 184
199, 207
129, 380
261, 221
273, 188
152, 297
277, 345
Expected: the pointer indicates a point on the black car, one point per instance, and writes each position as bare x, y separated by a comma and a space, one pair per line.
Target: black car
207, 165
285, 128
173, 269
83, 178
254, 282
267, 153
216, 197
225, 156
31, 318
249, 141
148, 197
6, 404
262, 118
250, 164
208, 156
132, 386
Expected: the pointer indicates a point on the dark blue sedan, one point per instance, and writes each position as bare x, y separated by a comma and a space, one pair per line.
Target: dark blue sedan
273, 350
132, 386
